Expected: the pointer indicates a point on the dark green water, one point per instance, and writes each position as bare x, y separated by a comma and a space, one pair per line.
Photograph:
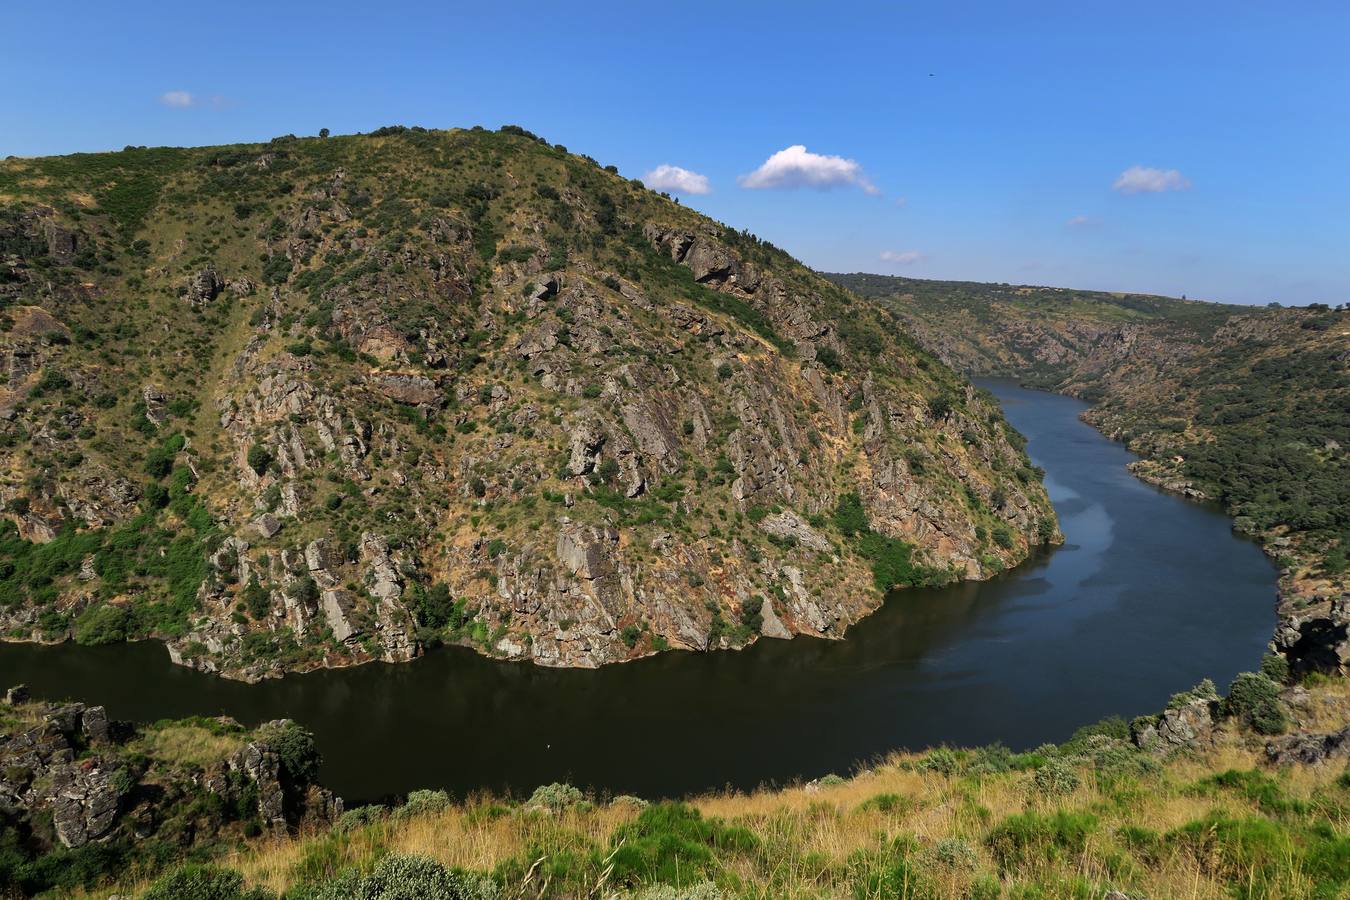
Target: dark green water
1149, 594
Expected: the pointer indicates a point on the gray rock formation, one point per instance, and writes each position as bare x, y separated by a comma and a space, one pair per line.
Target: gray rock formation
1188, 725
1309, 749
202, 286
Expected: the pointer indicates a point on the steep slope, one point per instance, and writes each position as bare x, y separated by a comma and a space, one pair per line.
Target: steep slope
1249, 407
320, 401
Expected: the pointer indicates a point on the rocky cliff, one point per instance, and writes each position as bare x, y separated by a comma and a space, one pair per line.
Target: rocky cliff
81, 794
321, 401
1249, 407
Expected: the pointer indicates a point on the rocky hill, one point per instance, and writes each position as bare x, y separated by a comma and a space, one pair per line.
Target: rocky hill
321, 401
1246, 406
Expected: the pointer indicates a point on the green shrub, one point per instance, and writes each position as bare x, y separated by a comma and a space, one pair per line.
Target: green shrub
259, 458
941, 760
300, 758
361, 816
940, 407
1031, 836
674, 844
257, 599
1057, 776
556, 796
1275, 667
277, 269
407, 877
849, 516
1255, 700
194, 881
421, 803
106, 624
159, 461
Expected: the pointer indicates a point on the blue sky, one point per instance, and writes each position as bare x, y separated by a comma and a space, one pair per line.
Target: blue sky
985, 138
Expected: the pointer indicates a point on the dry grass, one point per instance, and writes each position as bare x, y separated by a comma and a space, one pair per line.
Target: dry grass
188, 744
819, 841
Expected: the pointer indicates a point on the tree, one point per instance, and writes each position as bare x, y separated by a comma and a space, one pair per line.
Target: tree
323, 132
259, 458
940, 407
295, 748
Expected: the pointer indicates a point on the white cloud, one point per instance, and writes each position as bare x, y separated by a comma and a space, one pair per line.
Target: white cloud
177, 99
1146, 180
666, 177
901, 202
797, 167
1082, 222
903, 257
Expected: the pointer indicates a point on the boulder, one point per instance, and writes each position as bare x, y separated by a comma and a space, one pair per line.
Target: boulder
787, 524
202, 286
86, 807
1188, 725
585, 552
1309, 749
94, 724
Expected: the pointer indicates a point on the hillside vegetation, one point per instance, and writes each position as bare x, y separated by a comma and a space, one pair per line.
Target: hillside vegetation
1246, 406
325, 400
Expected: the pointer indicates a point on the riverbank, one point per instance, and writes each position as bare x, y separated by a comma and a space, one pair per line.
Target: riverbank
1232, 812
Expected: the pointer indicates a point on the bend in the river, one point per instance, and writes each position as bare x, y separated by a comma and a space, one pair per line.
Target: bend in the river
1149, 594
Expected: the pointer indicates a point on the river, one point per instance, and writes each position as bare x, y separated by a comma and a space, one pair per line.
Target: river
1149, 594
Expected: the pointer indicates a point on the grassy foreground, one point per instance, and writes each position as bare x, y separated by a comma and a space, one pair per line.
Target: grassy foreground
1079, 820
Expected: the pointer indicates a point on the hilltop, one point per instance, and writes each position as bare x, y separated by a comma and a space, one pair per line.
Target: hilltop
1245, 406
326, 400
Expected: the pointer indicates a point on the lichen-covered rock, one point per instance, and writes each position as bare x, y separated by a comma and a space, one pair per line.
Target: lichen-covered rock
1187, 725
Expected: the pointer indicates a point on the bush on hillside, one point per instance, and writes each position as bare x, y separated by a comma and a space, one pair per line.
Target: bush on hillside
202, 882
1255, 700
